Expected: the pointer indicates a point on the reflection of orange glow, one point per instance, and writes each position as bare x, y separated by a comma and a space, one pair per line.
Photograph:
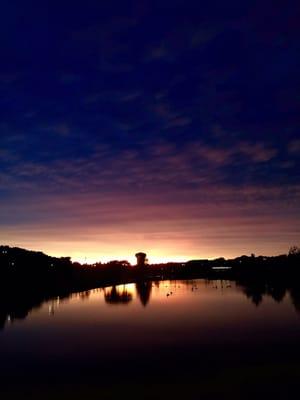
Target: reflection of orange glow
128, 288
115, 296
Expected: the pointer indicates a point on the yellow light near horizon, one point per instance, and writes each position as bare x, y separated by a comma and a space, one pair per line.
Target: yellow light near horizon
89, 228
131, 259
90, 247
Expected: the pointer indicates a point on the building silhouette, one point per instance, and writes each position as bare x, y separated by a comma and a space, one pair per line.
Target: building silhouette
141, 259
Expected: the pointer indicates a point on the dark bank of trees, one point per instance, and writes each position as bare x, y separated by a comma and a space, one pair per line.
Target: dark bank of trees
28, 278
20, 267
38, 271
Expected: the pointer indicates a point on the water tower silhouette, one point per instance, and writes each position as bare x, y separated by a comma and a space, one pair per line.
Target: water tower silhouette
141, 259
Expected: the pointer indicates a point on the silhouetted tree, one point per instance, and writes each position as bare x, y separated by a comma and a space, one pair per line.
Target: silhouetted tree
294, 251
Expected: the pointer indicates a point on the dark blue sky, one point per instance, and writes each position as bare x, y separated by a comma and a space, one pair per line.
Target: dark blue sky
149, 106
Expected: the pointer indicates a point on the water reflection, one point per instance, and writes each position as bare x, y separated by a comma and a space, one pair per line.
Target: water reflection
115, 295
17, 306
256, 291
295, 296
143, 290
169, 333
123, 294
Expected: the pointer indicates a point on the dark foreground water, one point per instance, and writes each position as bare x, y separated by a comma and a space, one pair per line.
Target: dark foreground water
171, 339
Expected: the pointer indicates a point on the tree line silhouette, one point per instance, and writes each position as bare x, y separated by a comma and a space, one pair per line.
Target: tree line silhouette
28, 278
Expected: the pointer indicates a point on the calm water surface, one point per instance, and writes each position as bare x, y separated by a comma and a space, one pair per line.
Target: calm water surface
154, 340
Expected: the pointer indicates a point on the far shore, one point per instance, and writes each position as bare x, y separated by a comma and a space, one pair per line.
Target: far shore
27, 279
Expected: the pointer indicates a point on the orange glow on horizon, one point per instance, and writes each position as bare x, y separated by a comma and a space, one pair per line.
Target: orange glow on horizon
91, 253
131, 259
92, 232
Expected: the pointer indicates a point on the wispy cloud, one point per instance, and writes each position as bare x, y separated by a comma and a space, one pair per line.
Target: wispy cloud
9, 78
198, 223
204, 35
61, 128
257, 152
178, 122
294, 146
156, 166
8, 156
130, 96
214, 155
159, 52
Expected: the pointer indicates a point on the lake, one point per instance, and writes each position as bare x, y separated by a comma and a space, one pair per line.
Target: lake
166, 339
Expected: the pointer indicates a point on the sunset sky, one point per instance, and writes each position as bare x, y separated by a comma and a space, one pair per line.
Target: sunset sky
170, 127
